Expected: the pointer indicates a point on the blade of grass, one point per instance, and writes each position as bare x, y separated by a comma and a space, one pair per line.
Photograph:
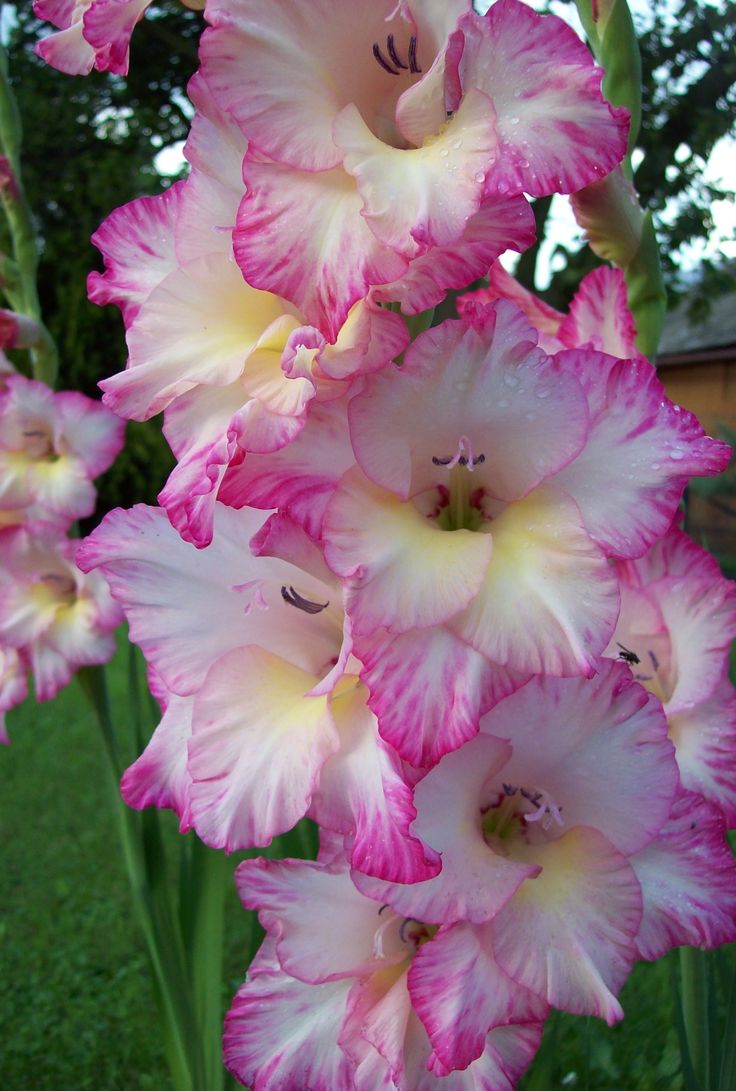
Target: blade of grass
727, 1075
690, 1081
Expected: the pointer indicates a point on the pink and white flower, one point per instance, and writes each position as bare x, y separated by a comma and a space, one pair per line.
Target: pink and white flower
599, 315
536, 841
397, 126
265, 717
91, 34
329, 1002
491, 483
13, 685
676, 627
234, 368
57, 618
51, 446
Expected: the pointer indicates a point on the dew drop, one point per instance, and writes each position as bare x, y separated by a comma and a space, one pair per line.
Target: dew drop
444, 153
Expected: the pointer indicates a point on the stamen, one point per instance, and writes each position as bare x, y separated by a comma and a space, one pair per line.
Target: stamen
655, 661
547, 810
402, 927
295, 599
378, 951
413, 66
463, 456
393, 54
509, 789
382, 60
257, 600
63, 585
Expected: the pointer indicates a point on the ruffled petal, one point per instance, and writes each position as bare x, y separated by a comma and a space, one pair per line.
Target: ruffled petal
599, 315
705, 744
282, 1033
474, 882
323, 270
198, 326
327, 51
258, 744
498, 225
429, 689
323, 927
299, 479
501, 285
137, 244
688, 880
187, 607
460, 994
160, 778
629, 478
557, 134
486, 381
549, 600
419, 197
568, 935
597, 745
362, 794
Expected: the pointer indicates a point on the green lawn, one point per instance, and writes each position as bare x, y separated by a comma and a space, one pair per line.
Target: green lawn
76, 1005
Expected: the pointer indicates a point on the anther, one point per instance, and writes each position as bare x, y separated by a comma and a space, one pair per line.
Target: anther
288, 594
463, 456
509, 789
393, 54
382, 60
547, 810
655, 661
413, 66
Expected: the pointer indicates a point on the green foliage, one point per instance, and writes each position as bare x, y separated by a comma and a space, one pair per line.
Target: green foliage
689, 96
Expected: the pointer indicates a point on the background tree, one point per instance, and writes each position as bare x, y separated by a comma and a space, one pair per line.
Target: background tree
689, 96
89, 145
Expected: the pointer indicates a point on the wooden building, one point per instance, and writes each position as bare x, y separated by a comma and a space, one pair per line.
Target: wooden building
697, 364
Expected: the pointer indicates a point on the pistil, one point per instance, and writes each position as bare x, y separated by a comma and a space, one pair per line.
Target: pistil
460, 513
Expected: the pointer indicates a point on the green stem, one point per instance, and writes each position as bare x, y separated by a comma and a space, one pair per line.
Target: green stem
727, 1077
141, 853
210, 878
697, 1012
23, 293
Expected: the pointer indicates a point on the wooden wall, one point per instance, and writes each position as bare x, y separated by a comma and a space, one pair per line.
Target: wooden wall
708, 389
